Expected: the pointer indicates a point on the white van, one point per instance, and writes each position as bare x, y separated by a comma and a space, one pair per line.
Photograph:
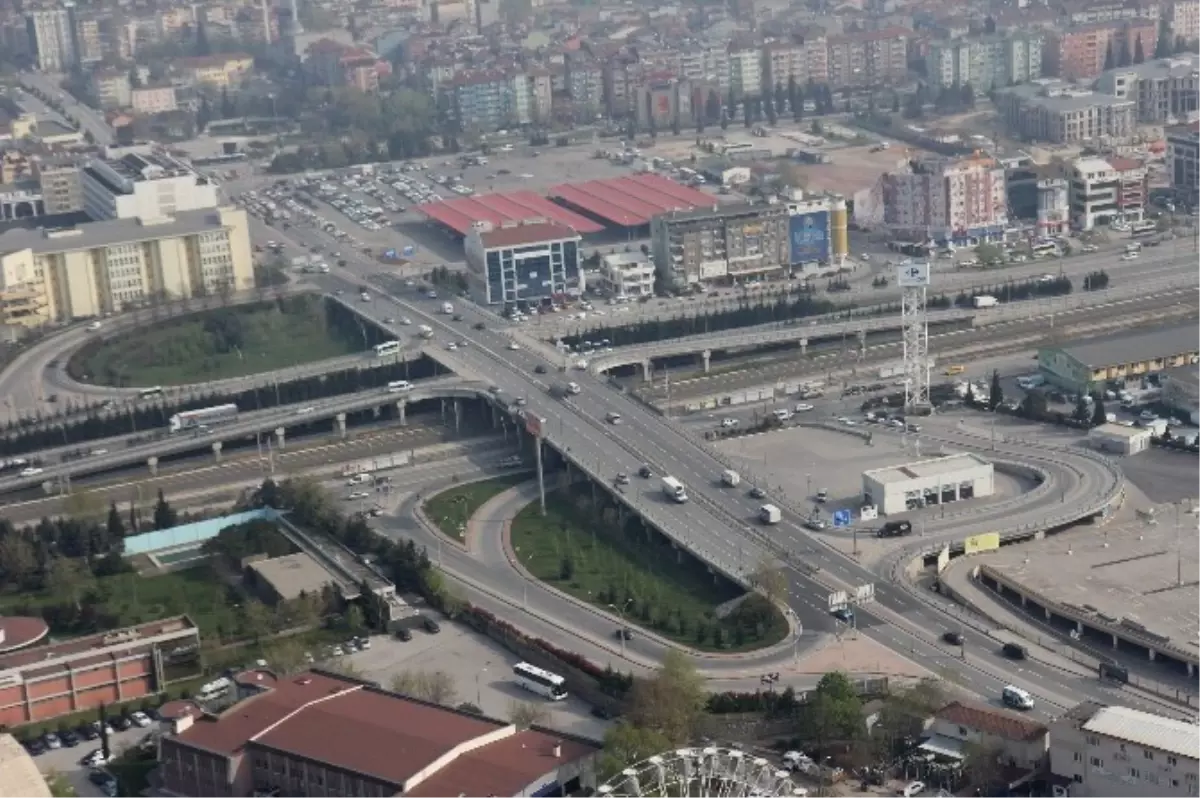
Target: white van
1016, 698
358, 479
731, 478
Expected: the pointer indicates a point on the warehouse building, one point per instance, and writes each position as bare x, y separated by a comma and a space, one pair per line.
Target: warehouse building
1085, 367
901, 488
1119, 439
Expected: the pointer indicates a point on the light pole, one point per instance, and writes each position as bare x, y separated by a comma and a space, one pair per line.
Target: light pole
478, 686
621, 614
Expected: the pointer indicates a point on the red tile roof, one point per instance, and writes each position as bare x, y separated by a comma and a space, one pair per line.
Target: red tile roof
634, 200
993, 721
95, 645
516, 206
523, 234
505, 767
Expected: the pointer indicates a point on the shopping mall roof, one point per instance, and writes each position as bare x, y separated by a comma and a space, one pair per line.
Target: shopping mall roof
517, 206
633, 200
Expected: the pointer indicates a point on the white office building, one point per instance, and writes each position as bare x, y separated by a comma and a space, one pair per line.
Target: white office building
144, 184
52, 38
898, 489
1099, 750
626, 274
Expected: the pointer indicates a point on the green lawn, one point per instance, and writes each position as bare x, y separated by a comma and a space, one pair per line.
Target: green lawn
595, 560
214, 345
450, 509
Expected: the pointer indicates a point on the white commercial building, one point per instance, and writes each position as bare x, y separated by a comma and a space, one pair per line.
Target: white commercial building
52, 38
144, 184
1105, 190
960, 200
1164, 90
958, 477
627, 274
1098, 750
1119, 439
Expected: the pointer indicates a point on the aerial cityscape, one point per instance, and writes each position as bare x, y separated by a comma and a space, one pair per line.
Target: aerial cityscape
516, 397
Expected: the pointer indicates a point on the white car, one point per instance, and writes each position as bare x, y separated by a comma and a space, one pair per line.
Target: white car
358, 494
140, 719
304, 411
405, 320
31, 471
452, 346
729, 423
94, 326
804, 407
1129, 256
513, 346
52, 741
95, 759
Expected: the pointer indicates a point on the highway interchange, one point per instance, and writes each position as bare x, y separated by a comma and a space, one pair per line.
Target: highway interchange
717, 525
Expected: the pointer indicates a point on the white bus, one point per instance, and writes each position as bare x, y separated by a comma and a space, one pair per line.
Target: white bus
190, 419
544, 683
1138, 229
148, 393
399, 386
387, 348
217, 688
1044, 248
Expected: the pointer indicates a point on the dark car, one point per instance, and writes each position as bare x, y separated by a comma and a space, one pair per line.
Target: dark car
644, 472
70, 738
844, 614
624, 633
403, 635
758, 493
431, 626
603, 713
35, 747
87, 732
953, 638
539, 369
1013, 651
479, 325
457, 317
122, 723
105, 781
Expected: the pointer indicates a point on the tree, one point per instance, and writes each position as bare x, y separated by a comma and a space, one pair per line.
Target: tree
1139, 54
18, 559
769, 580
1162, 47
1099, 414
625, 743
116, 525
228, 111
202, 46
1110, 58
523, 714
712, 107
434, 686
1082, 412
670, 702
835, 711
1034, 405
996, 398
355, 621
1126, 56
256, 619
68, 579
967, 96
165, 516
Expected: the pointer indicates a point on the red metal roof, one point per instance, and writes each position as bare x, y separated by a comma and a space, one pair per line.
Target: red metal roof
524, 234
516, 206
634, 200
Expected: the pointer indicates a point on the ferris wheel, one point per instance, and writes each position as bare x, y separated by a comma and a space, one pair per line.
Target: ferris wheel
701, 772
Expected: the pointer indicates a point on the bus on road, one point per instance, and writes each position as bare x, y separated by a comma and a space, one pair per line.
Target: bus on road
544, 683
150, 393
191, 419
1139, 229
387, 348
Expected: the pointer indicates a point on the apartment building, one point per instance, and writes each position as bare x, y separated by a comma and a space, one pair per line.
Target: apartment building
157, 99
1053, 111
663, 101
1164, 90
986, 62
1085, 11
721, 243
218, 71
106, 267
89, 38
61, 183
947, 200
487, 101
704, 63
625, 275
585, 83
1183, 161
796, 61
745, 71
1102, 190
1115, 751
112, 88
1080, 52
143, 183
1183, 19
52, 38
869, 58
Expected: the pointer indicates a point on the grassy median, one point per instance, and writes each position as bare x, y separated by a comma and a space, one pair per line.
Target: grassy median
637, 574
450, 510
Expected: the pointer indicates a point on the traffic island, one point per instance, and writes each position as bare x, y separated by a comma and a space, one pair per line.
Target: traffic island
631, 572
450, 510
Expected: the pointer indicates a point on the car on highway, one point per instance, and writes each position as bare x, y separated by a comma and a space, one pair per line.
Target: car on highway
815, 524
405, 320
431, 626
356, 495
804, 407
953, 638
1147, 415
513, 346
613, 418
304, 411
644, 472
31, 471
624, 633
539, 369
403, 634
757, 493
729, 423
1129, 256
622, 479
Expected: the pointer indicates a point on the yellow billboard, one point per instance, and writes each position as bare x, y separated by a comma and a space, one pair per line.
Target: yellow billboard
943, 559
988, 541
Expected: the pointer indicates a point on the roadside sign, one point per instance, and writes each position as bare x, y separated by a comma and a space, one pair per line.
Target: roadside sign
837, 600
864, 593
843, 517
868, 512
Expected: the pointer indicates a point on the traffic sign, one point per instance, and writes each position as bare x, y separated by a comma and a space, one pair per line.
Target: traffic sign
843, 517
837, 600
864, 593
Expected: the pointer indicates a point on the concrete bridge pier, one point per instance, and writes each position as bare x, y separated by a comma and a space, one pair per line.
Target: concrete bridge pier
339, 423
152, 464
280, 437
803, 347
647, 370
541, 475
401, 411
862, 342
457, 416
706, 359
216, 447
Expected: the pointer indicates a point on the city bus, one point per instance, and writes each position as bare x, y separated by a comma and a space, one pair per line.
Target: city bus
150, 393
544, 683
387, 348
1043, 248
1138, 229
190, 419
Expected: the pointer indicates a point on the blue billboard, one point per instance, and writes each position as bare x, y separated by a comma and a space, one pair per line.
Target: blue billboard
808, 237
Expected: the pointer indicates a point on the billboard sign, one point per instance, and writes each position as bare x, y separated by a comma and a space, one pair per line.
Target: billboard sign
838, 599
868, 512
843, 517
808, 237
988, 541
943, 559
864, 593
912, 274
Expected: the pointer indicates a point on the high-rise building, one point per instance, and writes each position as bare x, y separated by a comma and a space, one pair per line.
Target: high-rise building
1061, 113
52, 38
869, 58
1164, 90
721, 243
1183, 161
105, 267
946, 200
144, 183
985, 62
1081, 52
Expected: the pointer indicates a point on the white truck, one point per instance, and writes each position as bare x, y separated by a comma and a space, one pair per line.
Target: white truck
425, 331
985, 302
769, 514
730, 478
447, 308
673, 489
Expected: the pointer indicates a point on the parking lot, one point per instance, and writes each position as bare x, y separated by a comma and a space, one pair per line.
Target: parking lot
480, 670
68, 761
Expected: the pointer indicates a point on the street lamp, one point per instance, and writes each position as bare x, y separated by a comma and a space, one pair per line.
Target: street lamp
478, 687
621, 614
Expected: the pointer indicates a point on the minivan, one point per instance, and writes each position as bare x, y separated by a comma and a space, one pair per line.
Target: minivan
1016, 697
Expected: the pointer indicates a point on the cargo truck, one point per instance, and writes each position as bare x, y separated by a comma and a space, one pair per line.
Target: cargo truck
985, 302
425, 331
769, 514
731, 478
673, 489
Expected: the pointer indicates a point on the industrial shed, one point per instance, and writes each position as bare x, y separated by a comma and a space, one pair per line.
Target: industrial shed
1120, 439
897, 489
